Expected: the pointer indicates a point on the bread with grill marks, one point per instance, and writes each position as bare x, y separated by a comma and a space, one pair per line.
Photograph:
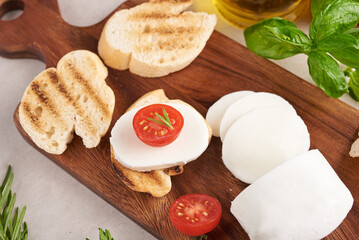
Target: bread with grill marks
71, 98
155, 38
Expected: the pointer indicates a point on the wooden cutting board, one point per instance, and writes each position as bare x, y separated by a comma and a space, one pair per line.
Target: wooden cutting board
223, 67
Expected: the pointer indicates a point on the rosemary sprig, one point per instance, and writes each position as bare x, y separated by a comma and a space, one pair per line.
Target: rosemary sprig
104, 235
163, 120
11, 222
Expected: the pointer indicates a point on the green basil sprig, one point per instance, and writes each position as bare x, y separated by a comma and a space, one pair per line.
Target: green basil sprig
332, 38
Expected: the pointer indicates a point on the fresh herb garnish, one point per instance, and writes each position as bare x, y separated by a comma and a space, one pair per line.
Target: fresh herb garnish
104, 235
163, 120
332, 38
11, 222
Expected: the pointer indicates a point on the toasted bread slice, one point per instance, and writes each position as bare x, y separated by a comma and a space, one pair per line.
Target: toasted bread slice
73, 97
156, 182
155, 38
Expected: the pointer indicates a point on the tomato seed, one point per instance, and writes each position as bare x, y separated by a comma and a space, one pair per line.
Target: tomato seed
196, 219
180, 214
145, 128
179, 207
142, 122
181, 204
205, 213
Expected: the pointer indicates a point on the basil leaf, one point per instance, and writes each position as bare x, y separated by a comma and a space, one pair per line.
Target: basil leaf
348, 56
317, 5
353, 83
326, 73
354, 32
337, 17
276, 38
338, 42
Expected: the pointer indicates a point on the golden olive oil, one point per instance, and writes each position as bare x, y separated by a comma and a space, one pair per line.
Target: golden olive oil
247, 12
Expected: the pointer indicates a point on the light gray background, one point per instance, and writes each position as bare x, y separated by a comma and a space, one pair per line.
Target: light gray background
59, 207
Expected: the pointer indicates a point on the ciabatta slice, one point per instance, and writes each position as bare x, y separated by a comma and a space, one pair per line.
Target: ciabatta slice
73, 97
155, 38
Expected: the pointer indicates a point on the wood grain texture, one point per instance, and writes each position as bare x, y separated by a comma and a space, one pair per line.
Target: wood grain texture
223, 67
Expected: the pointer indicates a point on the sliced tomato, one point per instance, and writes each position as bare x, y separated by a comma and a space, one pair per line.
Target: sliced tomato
195, 214
151, 130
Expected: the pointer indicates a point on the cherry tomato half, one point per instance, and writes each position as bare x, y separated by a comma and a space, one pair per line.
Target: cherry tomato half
195, 214
152, 130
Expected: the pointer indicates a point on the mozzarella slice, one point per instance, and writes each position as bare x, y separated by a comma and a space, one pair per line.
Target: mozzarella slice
302, 199
249, 103
138, 156
217, 110
263, 139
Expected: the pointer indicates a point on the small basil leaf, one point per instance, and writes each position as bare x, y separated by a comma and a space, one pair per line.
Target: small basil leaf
276, 38
326, 73
338, 42
354, 32
292, 35
353, 83
337, 17
348, 56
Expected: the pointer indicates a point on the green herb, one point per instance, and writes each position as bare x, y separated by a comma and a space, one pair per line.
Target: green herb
332, 38
353, 75
163, 120
104, 235
203, 236
11, 223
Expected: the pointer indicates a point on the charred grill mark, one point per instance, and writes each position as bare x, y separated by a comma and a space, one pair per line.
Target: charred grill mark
59, 85
152, 15
168, 30
172, 171
91, 92
122, 176
29, 114
44, 99
173, 1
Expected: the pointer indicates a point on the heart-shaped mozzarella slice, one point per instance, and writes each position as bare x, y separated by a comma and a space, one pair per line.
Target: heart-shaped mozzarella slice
138, 156
262, 140
249, 103
301, 199
217, 110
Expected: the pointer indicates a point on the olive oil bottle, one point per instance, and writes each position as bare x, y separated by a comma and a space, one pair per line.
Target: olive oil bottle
247, 12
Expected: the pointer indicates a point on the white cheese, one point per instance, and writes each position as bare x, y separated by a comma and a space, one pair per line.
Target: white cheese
217, 110
250, 103
132, 153
302, 199
261, 140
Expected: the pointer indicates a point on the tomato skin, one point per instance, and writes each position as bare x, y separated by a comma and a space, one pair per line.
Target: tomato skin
195, 214
153, 133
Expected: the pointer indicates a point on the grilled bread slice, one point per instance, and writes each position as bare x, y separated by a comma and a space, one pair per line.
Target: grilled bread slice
155, 38
155, 182
73, 97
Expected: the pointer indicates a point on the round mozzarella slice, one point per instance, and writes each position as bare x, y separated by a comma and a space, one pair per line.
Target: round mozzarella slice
136, 155
262, 140
249, 103
216, 111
